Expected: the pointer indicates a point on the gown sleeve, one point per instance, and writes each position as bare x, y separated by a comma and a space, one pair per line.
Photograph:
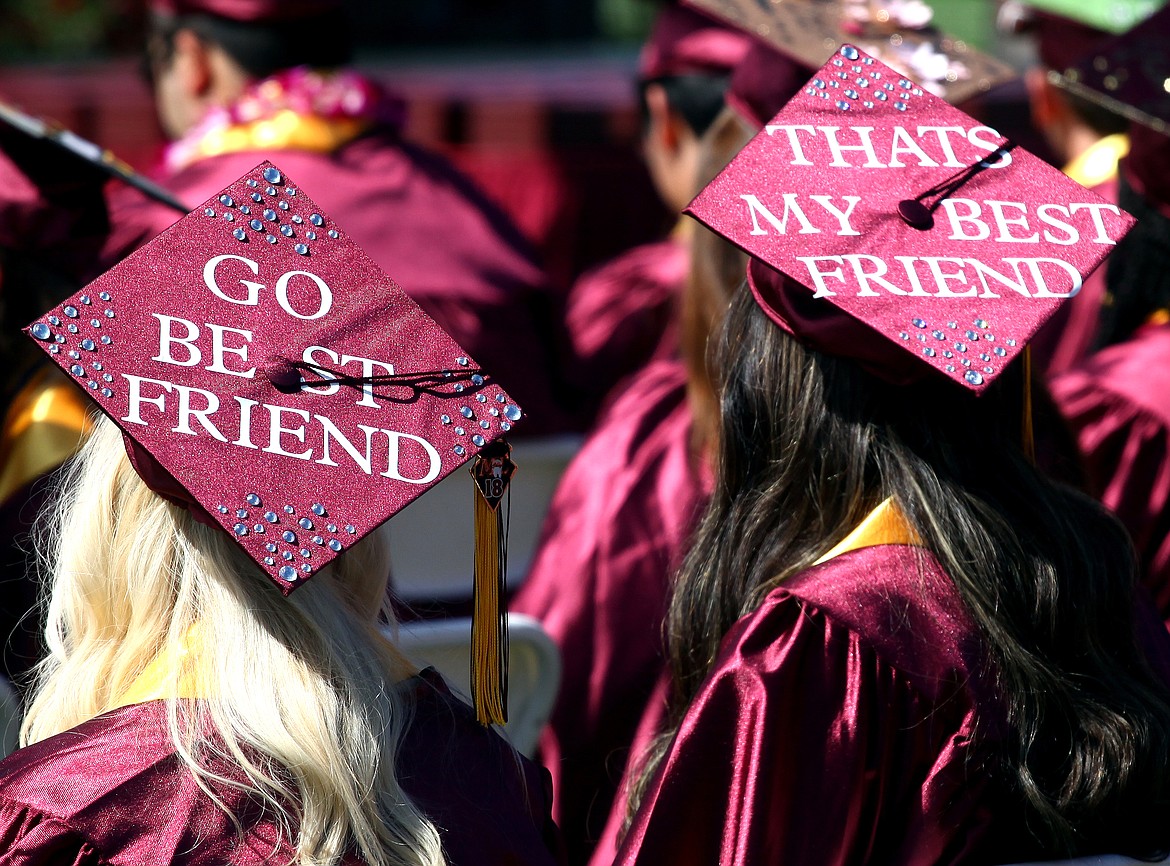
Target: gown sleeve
31, 838
1126, 449
804, 747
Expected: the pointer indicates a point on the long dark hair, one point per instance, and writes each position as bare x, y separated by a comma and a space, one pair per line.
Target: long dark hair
809, 444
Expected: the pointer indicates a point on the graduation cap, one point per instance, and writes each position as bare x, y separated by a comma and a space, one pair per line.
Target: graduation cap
683, 41
896, 32
1129, 75
269, 377
64, 147
250, 11
887, 226
1109, 16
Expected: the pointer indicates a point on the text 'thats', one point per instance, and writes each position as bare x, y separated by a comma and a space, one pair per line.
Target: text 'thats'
897, 32
269, 376
912, 237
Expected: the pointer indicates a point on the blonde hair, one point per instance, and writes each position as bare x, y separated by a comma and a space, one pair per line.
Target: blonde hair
300, 691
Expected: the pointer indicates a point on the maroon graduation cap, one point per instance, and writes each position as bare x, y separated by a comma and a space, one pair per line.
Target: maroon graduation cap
900, 33
1129, 75
684, 41
887, 226
270, 377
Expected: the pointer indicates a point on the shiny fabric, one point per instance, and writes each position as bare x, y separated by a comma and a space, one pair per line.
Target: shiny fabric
1118, 404
113, 791
615, 532
838, 726
622, 315
451, 250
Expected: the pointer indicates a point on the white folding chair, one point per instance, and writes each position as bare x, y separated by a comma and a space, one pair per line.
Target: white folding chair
10, 714
431, 550
534, 668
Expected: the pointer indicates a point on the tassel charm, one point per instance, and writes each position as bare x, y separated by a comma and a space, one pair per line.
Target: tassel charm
492, 470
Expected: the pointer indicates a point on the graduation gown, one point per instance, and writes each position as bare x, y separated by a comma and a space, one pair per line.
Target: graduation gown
839, 726
455, 253
113, 791
616, 530
1118, 404
622, 315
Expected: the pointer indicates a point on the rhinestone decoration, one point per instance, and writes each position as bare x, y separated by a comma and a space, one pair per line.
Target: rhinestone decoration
465, 411
928, 352
477, 439
240, 529
239, 234
289, 536
71, 312
288, 509
316, 219
334, 545
458, 449
974, 377
227, 201
270, 516
301, 249
512, 412
272, 175
287, 572
477, 379
318, 509
41, 331
252, 499
270, 215
305, 523
350, 528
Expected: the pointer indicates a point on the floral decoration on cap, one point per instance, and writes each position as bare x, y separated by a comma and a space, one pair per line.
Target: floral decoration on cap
913, 237
267, 374
897, 32
1129, 75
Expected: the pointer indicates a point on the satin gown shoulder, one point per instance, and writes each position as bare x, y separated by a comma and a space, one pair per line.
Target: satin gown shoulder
622, 315
113, 791
846, 721
616, 529
1118, 405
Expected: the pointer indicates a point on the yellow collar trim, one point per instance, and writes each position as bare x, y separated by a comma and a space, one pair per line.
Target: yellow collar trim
157, 680
46, 423
1099, 163
884, 525
286, 130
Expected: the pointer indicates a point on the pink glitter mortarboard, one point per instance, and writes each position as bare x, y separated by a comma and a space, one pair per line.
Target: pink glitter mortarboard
887, 226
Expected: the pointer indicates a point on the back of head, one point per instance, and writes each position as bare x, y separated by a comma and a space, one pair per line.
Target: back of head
262, 36
305, 683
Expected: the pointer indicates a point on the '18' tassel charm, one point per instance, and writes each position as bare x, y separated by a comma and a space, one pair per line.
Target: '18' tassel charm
492, 470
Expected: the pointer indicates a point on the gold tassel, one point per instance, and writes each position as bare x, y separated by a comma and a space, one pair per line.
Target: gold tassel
1026, 434
492, 470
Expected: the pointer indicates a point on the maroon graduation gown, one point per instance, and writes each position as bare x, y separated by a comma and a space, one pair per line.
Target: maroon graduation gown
616, 530
1118, 404
838, 727
426, 225
622, 315
113, 791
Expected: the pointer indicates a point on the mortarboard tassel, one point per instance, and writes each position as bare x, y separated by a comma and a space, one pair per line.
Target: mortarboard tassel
492, 470
1026, 433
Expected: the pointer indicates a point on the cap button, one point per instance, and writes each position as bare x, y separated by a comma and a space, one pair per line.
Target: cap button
284, 377
915, 214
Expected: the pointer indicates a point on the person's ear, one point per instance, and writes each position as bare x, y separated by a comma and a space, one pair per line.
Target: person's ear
191, 64
1044, 99
662, 123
